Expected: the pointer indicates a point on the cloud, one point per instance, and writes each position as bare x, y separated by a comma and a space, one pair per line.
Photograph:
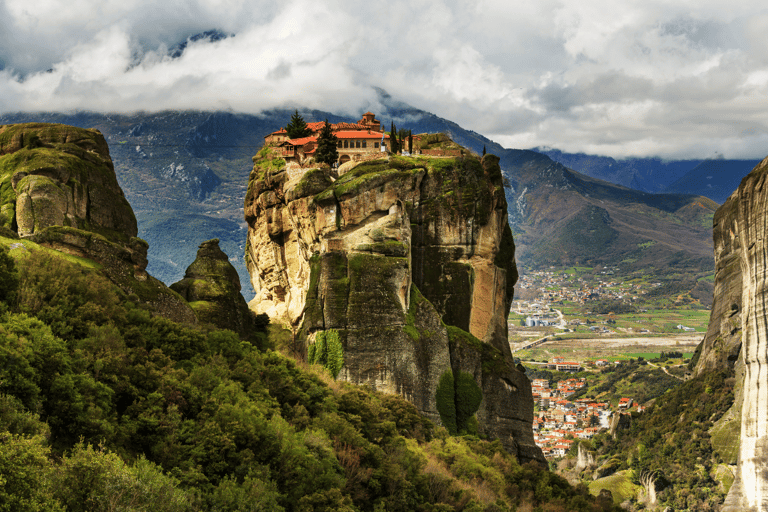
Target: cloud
648, 78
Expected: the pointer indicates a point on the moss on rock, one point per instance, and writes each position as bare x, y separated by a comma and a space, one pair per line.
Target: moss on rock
68, 177
212, 287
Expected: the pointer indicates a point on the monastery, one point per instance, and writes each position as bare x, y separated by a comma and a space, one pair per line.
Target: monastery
357, 141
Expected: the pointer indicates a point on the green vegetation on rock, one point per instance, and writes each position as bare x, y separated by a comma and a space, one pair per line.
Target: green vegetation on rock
327, 351
675, 440
458, 398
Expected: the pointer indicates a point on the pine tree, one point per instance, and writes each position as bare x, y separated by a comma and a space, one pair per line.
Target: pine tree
297, 128
410, 142
483, 150
327, 143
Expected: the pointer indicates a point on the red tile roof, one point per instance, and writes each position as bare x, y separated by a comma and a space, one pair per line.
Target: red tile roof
353, 134
301, 141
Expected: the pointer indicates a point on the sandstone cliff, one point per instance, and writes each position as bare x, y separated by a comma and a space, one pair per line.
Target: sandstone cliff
411, 261
211, 285
58, 188
737, 337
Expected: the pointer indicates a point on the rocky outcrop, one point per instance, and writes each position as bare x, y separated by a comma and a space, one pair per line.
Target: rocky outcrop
57, 175
211, 285
411, 260
737, 337
58, 188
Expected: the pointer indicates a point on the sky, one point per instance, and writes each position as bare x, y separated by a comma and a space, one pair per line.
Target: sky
621, 78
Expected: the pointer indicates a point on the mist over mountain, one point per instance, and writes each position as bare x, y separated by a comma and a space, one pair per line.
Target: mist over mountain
185, 175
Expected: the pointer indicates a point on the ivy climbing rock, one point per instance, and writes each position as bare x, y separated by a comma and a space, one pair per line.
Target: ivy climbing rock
326, 350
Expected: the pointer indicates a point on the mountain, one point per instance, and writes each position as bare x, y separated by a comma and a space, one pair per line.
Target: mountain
185, 175
647, 174
737, 335
410, 263
562, 217
714, 178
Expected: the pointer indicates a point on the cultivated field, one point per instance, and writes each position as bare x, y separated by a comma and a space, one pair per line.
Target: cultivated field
612, 348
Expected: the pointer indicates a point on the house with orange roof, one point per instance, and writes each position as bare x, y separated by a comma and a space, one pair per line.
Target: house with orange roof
357, 141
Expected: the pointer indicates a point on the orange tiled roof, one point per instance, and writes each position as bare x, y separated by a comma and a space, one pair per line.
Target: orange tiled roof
353, 134
301, 141
349, 126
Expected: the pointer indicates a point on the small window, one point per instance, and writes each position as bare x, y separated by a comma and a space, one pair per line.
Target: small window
364, 144
357, 143
346, 143
375, 145
339, 144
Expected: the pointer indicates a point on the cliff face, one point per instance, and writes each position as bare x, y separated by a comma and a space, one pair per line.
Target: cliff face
411, 260
211, 285
58, 188
737, 336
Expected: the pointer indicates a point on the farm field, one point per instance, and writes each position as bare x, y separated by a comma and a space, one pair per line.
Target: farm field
611, 348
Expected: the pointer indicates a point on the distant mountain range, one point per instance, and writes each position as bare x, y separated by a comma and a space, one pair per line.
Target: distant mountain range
185, 175
715, 178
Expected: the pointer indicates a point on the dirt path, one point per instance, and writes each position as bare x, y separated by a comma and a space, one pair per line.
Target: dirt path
664, 369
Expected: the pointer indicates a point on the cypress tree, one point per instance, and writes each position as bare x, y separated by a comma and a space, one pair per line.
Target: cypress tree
327, 143
483, 150
395, 147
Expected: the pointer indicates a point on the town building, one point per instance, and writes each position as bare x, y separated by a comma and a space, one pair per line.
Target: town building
357, 141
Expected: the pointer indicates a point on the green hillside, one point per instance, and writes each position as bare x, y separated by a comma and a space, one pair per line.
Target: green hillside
563, 218
106, 406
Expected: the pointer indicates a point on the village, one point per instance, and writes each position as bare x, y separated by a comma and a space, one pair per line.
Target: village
555, 286
592, 302
558, 421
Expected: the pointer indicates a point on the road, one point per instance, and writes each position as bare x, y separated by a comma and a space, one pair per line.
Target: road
561, 325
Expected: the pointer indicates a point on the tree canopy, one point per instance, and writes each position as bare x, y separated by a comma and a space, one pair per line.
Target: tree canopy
327, 143
297, 127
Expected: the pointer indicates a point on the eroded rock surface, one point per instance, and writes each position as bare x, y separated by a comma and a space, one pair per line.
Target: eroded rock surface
211, 285
411, 260
58, 188
737, 337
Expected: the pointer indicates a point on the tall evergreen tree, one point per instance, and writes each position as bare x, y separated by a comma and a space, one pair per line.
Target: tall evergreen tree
297, 128
483, 150
395, 147
327, 143
410, 142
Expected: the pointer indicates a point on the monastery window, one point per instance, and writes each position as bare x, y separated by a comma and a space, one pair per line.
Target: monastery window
339, 144
364, 144
346, 143
357, 143
375, 145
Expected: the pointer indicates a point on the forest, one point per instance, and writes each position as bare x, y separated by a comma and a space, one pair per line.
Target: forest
106, 406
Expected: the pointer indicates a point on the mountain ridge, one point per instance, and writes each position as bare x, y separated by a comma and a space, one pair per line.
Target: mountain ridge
197, 163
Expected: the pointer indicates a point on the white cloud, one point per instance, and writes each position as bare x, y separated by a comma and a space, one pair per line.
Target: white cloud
675, 79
